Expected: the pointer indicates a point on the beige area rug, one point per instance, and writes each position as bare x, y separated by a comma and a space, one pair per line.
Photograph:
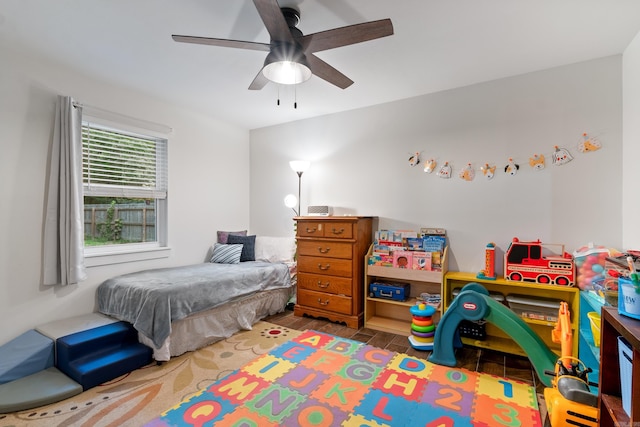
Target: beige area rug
137, 398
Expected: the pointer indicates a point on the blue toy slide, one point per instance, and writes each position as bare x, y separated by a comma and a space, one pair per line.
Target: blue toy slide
474, 303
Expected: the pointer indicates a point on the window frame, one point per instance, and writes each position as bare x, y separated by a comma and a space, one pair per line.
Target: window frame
142, 251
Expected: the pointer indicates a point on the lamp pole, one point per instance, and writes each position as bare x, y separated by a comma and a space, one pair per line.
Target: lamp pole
299, 185
299, 166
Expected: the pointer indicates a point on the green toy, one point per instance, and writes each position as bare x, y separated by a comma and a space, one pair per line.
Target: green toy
474, 303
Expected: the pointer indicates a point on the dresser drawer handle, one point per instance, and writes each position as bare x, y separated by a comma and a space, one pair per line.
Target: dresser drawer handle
323, 285
334, 231
324, 251
323, 303
311, 230
325, 268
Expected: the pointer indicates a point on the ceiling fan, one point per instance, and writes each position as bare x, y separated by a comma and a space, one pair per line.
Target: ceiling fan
291, 58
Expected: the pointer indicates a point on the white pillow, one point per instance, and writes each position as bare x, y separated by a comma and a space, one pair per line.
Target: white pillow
275, 249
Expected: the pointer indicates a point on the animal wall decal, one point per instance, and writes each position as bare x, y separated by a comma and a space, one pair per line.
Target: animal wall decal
511, 168
445, 171
488, 171
430, 165
467, 173
561, 156
588, 144
537, 162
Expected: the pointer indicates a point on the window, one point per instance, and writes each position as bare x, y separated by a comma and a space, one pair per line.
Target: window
125, 189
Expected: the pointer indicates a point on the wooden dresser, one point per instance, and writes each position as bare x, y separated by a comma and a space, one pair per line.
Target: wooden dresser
331, 253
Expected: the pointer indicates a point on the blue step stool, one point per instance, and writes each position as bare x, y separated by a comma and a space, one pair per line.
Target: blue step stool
70, 325
101, 354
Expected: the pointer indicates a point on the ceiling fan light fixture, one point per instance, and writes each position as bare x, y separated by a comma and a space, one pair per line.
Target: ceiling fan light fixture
286, 65
290, 51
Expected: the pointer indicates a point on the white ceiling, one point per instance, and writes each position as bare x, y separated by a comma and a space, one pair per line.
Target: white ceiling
437, 45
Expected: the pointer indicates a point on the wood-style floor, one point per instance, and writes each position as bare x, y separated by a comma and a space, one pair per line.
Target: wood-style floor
471, 358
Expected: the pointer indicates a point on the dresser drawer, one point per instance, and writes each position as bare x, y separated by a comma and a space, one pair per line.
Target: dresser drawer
329, 284
328, 229
338, 230
330, 266
336, 303
325, 249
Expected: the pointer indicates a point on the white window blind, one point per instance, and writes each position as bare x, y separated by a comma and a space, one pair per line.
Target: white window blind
122, 164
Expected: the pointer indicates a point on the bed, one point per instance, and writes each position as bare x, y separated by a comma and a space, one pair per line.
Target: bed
180, 309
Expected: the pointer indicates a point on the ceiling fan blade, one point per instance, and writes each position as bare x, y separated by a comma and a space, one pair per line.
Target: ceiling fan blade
327, 72
345, 36
222, 42
271, 15
259, 81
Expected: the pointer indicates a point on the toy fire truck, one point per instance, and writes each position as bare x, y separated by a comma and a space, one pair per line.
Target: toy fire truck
533, 262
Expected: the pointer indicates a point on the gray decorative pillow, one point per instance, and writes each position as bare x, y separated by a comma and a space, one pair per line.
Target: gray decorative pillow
248, 246
223, 235
226, 254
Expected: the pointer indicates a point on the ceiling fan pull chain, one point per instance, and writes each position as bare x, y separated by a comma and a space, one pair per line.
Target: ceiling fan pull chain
295, 98
278, 95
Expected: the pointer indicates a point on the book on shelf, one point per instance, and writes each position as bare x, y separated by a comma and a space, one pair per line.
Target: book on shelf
436, 261
414, 244
421, 261
402, 259
409, 249
381, 260
433, 243
432, 231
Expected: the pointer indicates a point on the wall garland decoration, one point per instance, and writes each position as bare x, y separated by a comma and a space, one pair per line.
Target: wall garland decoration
560, 156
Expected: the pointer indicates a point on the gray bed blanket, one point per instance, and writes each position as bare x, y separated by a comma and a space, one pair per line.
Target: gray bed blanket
150, 300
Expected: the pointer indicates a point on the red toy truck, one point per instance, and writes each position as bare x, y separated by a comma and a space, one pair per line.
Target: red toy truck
530, 262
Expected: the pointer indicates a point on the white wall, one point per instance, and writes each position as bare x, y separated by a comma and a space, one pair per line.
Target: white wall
359, 167
631, 148
359, 162
202, 198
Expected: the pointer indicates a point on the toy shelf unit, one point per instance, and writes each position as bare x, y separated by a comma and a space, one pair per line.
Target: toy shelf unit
393, 316
611, 393
495, 338
588, 352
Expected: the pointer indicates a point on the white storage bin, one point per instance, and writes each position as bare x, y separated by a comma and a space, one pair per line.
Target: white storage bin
534, 308
626, 367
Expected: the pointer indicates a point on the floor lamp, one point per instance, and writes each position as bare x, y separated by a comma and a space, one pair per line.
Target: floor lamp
299, 167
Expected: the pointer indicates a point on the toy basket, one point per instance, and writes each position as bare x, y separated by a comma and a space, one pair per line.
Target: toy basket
625, 356
629, 297
594, 320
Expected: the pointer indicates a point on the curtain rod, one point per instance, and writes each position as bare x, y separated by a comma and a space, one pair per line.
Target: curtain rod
118, 117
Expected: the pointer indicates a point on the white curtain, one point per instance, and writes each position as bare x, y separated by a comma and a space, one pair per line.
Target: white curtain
63, 246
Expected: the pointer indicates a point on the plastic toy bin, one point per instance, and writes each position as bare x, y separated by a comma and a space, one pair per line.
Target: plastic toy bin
629, 298
625, 355
590, 261
594, 320
534, 308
